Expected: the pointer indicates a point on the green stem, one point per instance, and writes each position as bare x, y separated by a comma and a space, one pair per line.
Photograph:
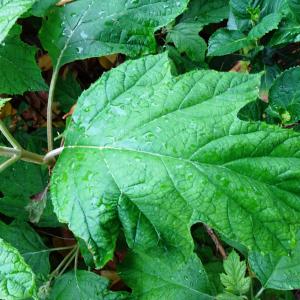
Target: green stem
8, 163
9, 136
259, 293
22, 154
62, 263
72, 257
49, 107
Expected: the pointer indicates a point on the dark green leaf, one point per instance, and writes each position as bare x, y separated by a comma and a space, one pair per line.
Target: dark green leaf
66, 92
41, 6
288, 32
90, 28
29, 244
83, 285
162, 275
284, 95
17, 280
235, 280
22, 182
18, 70
294, 6
267, 24
205, 12
225, 41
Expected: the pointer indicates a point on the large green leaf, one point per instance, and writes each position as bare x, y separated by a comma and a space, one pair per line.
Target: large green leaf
10, 11
18, 70
154, 154
284, 95
83, 285
29, 244
17, 280
225, 41
40, 7
161, 275
90, 28
205, 12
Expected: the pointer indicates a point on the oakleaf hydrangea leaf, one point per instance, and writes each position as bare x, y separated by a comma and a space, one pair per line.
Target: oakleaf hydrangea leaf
162, 275
151, 154
18, 69
83, 285
10, 11
17, 280
90, 28
234, 280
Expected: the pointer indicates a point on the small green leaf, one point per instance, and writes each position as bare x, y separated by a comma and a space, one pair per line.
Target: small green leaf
164, 275
267, 24
17, 280
229, 296
284, 96
91, 28
10, 11
29, 244
18, 69
225, 41
78, 285
234, 280
186, 38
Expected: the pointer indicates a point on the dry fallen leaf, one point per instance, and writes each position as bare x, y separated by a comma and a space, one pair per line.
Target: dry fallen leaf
107, 62
45, 62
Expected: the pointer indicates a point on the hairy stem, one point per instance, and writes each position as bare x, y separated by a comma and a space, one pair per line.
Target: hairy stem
49, 107
259, 293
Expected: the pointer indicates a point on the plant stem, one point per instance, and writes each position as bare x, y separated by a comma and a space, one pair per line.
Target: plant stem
74, 254
259, 293
22, 154
62, 263
216, 241
9, 136
8, 163
49, 107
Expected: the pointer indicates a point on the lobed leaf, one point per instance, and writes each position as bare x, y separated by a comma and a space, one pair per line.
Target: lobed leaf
151, 154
